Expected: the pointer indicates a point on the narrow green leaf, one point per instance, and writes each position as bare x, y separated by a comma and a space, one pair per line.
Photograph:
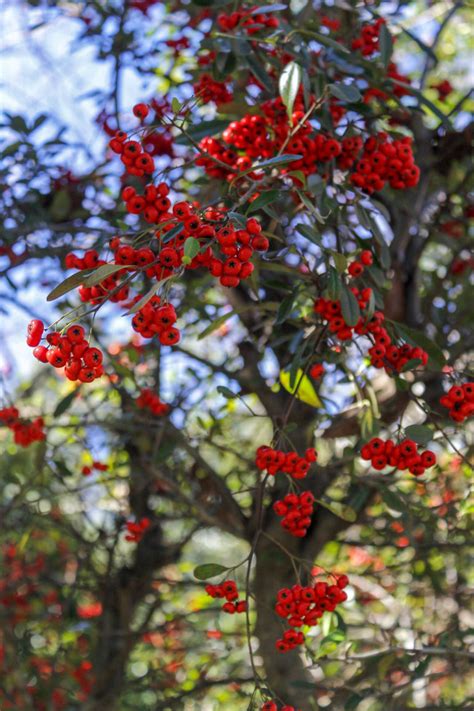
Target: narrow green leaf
326, 41
340, 510
349, 306
263, 199
65, 403
72, 282
102, 272
289, 84
208, 570
393, 501
421, 434
226, 392
345, 92
385, 44
309, 232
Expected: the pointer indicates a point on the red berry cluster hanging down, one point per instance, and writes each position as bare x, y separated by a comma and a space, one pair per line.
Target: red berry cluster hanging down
71, 352
136, 530
24, 432
296, 511
460, 401
136, 160
401, 456
384, 353
274, 461
228, 590
273, 706
305, 606
157, 319
384, 161
148, 400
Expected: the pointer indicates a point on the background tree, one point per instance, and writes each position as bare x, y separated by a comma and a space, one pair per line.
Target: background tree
291, 186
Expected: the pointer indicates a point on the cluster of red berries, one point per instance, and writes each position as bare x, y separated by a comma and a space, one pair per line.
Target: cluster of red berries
296, 511
384, 353
273, 706
384, 161
262, 137
157, 319
71, 352
368, 40
317, 370
107, 289
401, 456
98, 466
357, 267
137, 530
249, 19
460, 401
148, 400
331, 311
153, 205
136, 160
274, 461
208, 89
228, 590
24, 432
305, 606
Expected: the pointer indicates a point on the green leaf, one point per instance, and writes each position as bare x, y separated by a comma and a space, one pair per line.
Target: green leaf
61, 205
65, 403
217, 323
206, 128
171, 234
345, 92
334, 285
259, 72
421, 434
68, 284
102, 272
146, 297
277, 160
339, 260
226, 392
386, 45
309, 232
326, 41
416, 338
276, 7
208, 570
393, 501
340, 510
175, 105
289, 84
349, 306
285, 308
302, 387
263, 199
191, 247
